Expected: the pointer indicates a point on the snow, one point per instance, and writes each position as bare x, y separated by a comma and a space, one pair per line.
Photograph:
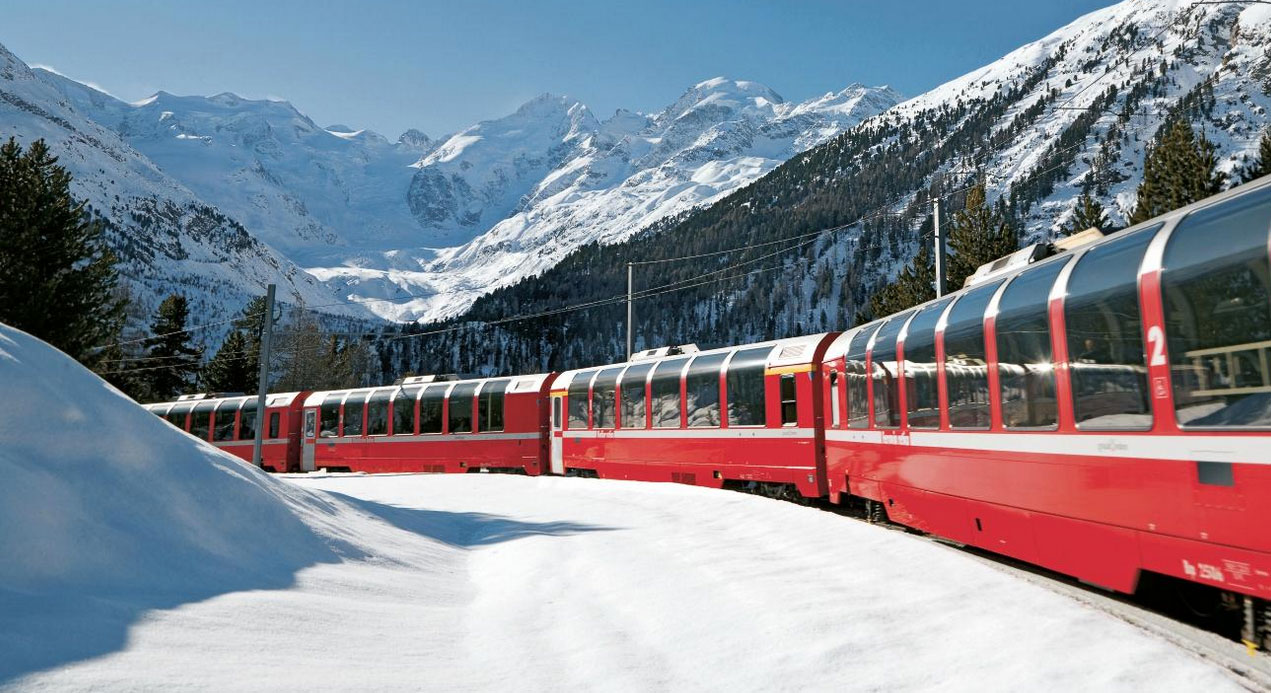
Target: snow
133, 556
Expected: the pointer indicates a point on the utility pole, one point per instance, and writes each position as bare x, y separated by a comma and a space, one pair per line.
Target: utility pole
630, 335
935, 208
266, 334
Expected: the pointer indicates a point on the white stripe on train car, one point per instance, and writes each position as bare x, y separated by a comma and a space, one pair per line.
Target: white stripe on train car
637, 433
1206, 448
427, 437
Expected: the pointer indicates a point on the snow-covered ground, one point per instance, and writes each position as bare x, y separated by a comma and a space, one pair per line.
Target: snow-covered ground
133, 557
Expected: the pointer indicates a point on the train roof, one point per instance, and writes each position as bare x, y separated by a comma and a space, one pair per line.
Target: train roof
839, 347
519, 383
791, 351
279, 399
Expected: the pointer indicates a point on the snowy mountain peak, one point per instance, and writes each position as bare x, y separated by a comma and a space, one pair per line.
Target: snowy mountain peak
720, 96
416, 139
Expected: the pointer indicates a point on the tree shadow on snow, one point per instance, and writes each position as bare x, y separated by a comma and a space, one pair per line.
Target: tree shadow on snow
465, 529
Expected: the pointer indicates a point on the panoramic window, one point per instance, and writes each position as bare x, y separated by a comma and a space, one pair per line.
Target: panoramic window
1218, 314
886, 372
966, 370
579, 389
353, 409
328, 415
1105, 335
201, 420
461, 402
1026, 368
921, 384
858, 378
701, 386
634, 414
247, 419
404, 411
664, 393
746, 401
377, 412
604, 402
492, 405
178, 416
431, 408
223, 429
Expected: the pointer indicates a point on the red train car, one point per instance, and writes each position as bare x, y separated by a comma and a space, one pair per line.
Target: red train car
1103, 412
747, 415
424, 425
229, 423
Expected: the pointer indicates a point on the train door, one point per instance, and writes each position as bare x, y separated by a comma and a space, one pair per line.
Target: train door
310, 442
558, 436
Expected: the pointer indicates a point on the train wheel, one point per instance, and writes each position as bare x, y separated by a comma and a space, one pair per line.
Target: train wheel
1256, 632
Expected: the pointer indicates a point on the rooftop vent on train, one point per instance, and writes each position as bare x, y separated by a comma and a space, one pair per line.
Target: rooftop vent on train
1024, 256
664, 351
207, 395
1078, 240
425, 379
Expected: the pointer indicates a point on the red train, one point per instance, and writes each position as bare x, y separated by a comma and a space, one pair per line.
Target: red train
1103, 412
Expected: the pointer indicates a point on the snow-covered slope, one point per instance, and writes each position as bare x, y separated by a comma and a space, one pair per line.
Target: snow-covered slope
529, 188
168, 238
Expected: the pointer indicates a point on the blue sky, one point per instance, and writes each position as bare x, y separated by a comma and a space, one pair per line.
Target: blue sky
438, 66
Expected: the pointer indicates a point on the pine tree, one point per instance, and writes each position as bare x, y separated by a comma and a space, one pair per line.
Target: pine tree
57, 278
1260, 166
914, 285
979, 233
175, 361
1088, 214
1179, 170
230, 369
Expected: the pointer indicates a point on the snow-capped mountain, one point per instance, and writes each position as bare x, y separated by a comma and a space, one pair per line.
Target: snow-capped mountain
314, 193
1073, 111
167, 237
525, 190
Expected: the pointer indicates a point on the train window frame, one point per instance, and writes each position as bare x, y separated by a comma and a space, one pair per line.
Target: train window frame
353, 398
673, 373
1080, 301
964, 300
335, 399
409, 395
639, 375
183, 410
604, 397
789, 404
432, 403
275, 423
890, 331
1237, 262
209, 407
466, 392
1030, 307
493, 405
749, 362
246, 432
228, 407
856, 376
701, 380
378, 402
557, 406
578, 396
921, 333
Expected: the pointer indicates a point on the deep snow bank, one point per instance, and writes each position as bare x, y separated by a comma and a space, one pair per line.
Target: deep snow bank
107, 511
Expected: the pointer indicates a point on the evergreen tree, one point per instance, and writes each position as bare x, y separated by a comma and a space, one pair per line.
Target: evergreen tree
175, 361
1088, 214
231, 368
57, 278
1179, 170
914, 285
1260, 166
979, 233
